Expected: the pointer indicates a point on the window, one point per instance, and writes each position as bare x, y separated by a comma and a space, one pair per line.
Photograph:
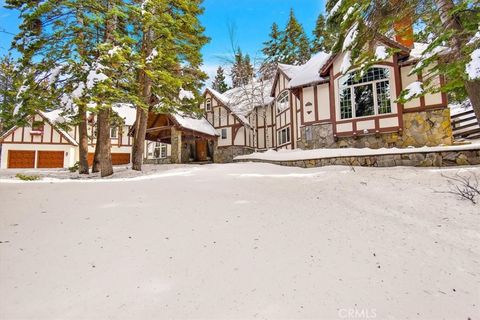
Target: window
365, 94
284, 136
156, 150
208, 104
37, 126
113, 132
224, 134
283, 101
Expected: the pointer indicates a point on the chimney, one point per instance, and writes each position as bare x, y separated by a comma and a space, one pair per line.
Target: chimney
404, 31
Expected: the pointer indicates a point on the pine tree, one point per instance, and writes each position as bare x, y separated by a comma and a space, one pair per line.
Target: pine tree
451, 24
242, 69
168, 62
65, 57
324, 35
219, 83
294, 45
272, 51
10, 82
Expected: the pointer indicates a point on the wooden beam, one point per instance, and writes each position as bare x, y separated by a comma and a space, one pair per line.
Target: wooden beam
158, 129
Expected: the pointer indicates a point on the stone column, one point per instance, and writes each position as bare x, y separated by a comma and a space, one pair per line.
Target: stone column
176, 145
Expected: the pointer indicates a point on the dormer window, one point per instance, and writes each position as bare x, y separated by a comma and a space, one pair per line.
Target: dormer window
283, 101
366, 94
208, 105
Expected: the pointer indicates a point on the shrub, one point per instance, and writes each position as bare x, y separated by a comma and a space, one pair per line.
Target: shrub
26, 177
74, 168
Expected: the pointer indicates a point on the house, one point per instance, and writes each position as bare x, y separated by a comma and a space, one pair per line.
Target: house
183, 138
242, 117
319, 105
47, 143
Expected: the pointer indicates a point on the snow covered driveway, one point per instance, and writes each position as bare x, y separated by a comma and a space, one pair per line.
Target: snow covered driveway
241, 241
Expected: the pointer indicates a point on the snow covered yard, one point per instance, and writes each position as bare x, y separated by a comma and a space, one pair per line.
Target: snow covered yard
241, 241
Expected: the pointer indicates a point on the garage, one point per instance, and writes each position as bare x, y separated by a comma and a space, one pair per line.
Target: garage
117, 158
18, 159
50, 159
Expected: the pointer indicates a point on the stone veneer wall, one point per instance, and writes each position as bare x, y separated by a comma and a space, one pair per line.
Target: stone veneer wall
420, 159
426, 128
166, 160
226, 154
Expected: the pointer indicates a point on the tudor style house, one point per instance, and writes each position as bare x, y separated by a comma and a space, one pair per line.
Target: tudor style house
317, 105
46, 143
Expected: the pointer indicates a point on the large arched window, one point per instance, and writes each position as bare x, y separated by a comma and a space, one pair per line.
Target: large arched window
365, 94
283, 101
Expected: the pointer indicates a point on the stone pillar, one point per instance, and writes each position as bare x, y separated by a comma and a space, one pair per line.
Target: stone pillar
176, 145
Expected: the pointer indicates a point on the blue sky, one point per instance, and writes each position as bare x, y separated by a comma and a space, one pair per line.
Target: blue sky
251, 21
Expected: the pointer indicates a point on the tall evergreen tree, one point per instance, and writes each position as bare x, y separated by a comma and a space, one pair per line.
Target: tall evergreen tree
324, 35
168, 64
451, 24
219, 83
10, 82
242, 70
294, 45
272, 51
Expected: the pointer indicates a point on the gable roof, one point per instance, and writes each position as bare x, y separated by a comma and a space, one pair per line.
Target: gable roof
241, 101
309, 72
200, 125
53, 118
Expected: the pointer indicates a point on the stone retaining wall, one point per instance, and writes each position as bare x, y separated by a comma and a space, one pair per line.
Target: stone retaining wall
416, 159
166, 160
226, 154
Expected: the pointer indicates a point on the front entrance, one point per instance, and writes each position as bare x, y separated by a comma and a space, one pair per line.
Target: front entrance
201, 146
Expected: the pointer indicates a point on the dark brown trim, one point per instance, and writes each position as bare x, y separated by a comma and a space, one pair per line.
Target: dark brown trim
426, 108
398, 88
23, 133
333, 116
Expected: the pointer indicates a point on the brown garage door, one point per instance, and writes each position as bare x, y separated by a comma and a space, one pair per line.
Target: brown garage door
120, 158
50, 159
21, 159
117, 158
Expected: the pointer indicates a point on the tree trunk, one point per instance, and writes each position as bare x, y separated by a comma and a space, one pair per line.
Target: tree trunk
450, 21
83, 146
104, 143
138, 148
103, 156
145, 90
96, 157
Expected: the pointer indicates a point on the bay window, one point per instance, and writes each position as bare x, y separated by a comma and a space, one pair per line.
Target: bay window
365, 94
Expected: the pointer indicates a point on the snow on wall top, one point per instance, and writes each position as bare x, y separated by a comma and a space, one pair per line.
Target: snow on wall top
310, 72
199, 125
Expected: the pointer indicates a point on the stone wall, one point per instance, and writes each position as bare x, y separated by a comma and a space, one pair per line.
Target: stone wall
319, 136
416, 159
427, 128
226, 154
176, 154
166, 160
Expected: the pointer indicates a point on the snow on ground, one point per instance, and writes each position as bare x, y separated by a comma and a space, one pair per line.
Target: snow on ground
241, 241
299, 154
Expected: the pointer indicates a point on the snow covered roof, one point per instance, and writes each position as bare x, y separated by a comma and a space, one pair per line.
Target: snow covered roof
288, 69
199, 125
126, 111
242, 100
55, 118
309, 73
